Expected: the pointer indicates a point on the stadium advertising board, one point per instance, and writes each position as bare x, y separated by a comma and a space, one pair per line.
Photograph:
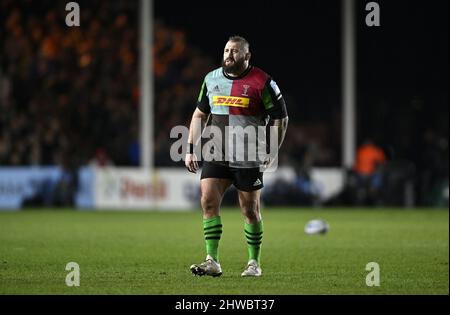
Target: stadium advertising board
127, 188
175, 189
44, 186
130, 188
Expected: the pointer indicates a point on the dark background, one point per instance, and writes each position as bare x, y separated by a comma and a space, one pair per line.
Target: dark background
70, 96
402, 77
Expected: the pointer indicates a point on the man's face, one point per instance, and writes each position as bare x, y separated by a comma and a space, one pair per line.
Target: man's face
235, 58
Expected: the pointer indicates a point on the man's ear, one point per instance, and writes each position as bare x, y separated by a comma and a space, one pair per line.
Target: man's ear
248, 56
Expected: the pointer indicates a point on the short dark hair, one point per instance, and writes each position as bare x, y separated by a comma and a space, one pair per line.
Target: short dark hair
240, 39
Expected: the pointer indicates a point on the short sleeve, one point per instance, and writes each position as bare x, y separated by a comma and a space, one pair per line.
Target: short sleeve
203, 101
273, 100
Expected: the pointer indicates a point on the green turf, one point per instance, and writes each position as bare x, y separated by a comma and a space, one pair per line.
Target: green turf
150, 252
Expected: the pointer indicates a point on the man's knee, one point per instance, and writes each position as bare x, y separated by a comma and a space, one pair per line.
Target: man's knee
210, 204
250, 208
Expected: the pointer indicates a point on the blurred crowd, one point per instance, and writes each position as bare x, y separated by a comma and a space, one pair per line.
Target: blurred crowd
70, 96
73, 92
66, 92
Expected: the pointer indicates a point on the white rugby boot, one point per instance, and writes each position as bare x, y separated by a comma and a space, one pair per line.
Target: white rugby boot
209, 268
252, 269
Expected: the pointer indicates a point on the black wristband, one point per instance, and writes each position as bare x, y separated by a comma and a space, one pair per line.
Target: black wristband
190, 148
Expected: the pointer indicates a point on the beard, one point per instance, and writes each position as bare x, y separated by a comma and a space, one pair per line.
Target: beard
235, 68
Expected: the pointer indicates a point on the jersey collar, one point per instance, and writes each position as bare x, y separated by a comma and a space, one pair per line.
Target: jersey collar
243, 74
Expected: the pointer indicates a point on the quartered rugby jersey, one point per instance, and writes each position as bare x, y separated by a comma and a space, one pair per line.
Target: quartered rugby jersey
233, 102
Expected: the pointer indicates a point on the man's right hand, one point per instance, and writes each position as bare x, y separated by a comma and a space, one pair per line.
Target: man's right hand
191, 162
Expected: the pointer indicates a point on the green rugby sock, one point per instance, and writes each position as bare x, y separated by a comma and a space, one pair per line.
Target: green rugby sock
212, 229
254, 233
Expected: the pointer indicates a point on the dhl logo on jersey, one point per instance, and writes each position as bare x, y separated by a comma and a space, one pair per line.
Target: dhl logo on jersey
231, 101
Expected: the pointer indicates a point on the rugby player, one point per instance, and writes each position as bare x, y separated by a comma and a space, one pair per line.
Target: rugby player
237, 94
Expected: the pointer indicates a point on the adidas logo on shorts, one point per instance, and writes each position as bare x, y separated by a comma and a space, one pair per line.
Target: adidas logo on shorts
257, 182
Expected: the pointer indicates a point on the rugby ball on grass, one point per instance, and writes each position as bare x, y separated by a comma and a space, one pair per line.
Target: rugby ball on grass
316, 226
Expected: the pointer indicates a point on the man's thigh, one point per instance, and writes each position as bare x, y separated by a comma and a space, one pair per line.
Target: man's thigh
215, 180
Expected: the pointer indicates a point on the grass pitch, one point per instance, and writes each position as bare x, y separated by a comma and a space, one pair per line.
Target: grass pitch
150, 252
